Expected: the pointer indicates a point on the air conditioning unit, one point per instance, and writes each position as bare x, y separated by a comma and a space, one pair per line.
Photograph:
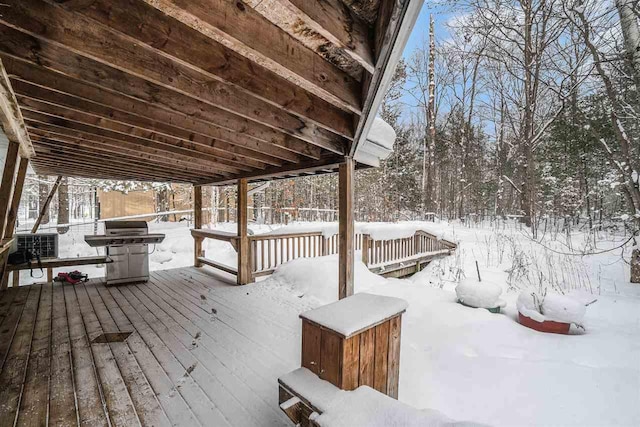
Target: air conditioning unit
44, 245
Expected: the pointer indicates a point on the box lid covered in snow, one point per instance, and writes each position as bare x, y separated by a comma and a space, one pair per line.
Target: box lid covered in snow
356, 313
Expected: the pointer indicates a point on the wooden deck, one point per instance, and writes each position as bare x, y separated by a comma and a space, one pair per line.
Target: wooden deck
200, 353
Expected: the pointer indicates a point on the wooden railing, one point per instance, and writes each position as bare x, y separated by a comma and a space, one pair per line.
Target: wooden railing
199, 259
269, 251
266, 252
387, 256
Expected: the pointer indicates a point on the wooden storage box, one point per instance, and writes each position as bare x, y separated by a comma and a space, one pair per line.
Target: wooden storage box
354, 342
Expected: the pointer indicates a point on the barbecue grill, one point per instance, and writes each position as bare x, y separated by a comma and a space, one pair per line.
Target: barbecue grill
127, 245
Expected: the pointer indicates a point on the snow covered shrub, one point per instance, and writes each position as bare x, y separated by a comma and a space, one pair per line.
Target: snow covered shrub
479, 294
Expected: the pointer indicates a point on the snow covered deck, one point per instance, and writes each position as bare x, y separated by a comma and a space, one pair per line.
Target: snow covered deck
200, 352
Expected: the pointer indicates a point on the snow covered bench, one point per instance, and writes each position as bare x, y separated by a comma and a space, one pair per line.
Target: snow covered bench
310, 401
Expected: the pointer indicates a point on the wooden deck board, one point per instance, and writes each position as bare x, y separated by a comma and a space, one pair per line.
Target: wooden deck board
14, 369
36, 384
91, 406
144, 322
176, 408
217, 361
210, 379
183, 363
237, 354
62, 395
148, 408
117, 399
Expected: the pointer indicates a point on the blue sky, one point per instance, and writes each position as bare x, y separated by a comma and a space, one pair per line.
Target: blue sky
420, 33
421, 30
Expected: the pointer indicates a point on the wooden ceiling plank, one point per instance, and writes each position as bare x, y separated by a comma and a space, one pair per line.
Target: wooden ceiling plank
271, 173
80, 162
57, 169
233, 35
64, 70
48, 138
63, 120
35, 92
63, 134
62, 89
11, 120
89, 39
75, 157
334, 21
225, 155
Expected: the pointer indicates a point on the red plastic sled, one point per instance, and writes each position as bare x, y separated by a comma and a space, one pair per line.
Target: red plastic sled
547, 326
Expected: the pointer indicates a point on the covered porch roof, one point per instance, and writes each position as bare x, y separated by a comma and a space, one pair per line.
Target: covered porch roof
196, 91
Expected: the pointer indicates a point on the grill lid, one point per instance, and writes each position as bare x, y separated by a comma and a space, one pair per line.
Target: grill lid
125, 225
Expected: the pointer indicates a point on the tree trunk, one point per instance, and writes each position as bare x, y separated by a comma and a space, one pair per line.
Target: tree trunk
63, 206
635, 266
43, 193
631, 35
429, 166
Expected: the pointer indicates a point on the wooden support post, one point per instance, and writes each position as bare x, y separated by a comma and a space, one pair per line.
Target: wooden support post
346, 248
11, 221
15, 200
244, 273
7, 183
46, 204
197, 224
6, 190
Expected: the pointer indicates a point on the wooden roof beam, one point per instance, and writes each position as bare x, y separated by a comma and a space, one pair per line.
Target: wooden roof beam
232, 143
223, 151
11, 119
57, 141
71, 136
162, 55
23, 48
273, 173
57, 168
78, 163
240, 29
81, 160
240, 132
64, 119
333, 20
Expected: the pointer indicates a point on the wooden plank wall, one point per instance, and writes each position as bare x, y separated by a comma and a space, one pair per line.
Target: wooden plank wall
371, 357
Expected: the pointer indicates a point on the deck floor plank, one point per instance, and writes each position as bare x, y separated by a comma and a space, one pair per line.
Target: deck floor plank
10, 322
91, 406
119, 404
146, 403
35, 396
62, 396
198, 281
204, 276
173, 404
6, 299
203, 350
183, 382
180, 342
263, 338
14, 369
238, 345
200, 353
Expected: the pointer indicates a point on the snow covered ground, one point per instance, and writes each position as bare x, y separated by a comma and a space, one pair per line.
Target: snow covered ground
474, 365
465, 362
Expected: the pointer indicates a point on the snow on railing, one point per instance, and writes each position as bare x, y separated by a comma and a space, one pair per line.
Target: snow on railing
267, 251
